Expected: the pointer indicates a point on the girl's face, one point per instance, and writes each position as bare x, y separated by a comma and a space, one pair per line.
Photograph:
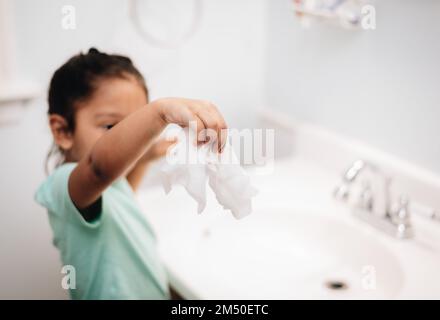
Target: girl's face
112, 101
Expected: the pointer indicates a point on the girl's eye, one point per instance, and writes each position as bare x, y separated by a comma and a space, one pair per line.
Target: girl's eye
108, 126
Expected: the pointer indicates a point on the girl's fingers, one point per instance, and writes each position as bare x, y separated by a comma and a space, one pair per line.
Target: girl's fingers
200, 130
214, 121
221, 126
160, 148
223, 139
222, 133
210, 123
221, 129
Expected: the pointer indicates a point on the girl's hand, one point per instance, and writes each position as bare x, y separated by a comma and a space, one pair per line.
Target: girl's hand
182, 111
158, 150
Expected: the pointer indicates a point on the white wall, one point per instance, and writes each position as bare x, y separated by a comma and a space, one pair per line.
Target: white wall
6, 40
221, 63
381, 86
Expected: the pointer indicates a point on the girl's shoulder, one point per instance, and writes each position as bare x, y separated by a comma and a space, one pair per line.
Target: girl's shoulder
59, 174
54, 188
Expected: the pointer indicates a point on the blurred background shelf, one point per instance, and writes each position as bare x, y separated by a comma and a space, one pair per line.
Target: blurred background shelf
19, 92
14, 99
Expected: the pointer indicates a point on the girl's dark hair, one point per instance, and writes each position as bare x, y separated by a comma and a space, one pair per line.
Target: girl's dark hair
77, 79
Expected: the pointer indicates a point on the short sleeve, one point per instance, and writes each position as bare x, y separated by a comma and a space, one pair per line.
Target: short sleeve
53, 194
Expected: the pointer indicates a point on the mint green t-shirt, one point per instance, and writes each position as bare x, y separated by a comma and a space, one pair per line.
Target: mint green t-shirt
115, 256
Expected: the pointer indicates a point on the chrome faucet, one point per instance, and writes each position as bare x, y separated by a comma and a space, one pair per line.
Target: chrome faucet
394, 220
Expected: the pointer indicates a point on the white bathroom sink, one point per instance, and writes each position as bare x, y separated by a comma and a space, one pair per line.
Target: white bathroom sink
281, 254
299, 243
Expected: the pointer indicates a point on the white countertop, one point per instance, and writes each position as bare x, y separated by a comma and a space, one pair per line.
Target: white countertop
214, 256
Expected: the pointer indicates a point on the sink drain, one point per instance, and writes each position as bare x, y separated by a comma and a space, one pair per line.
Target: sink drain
336, 285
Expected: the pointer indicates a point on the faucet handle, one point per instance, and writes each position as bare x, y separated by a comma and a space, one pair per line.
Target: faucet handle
352, 172
341, 192
400, 214
366, 197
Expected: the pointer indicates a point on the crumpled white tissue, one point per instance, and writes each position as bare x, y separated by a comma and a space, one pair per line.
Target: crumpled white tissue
191, 166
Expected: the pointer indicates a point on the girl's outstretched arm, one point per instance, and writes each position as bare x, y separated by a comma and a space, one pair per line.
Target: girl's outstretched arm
117, 150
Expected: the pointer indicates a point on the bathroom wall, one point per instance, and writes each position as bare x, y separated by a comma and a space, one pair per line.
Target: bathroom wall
379, 86
222, 62
6, 40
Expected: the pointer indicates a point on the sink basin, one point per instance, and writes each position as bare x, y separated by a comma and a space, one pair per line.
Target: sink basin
283, 254
297, 244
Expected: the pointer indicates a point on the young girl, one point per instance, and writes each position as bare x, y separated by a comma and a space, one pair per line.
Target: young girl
105, 129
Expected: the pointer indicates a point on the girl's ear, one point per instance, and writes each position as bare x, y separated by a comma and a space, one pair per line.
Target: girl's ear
61, 132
